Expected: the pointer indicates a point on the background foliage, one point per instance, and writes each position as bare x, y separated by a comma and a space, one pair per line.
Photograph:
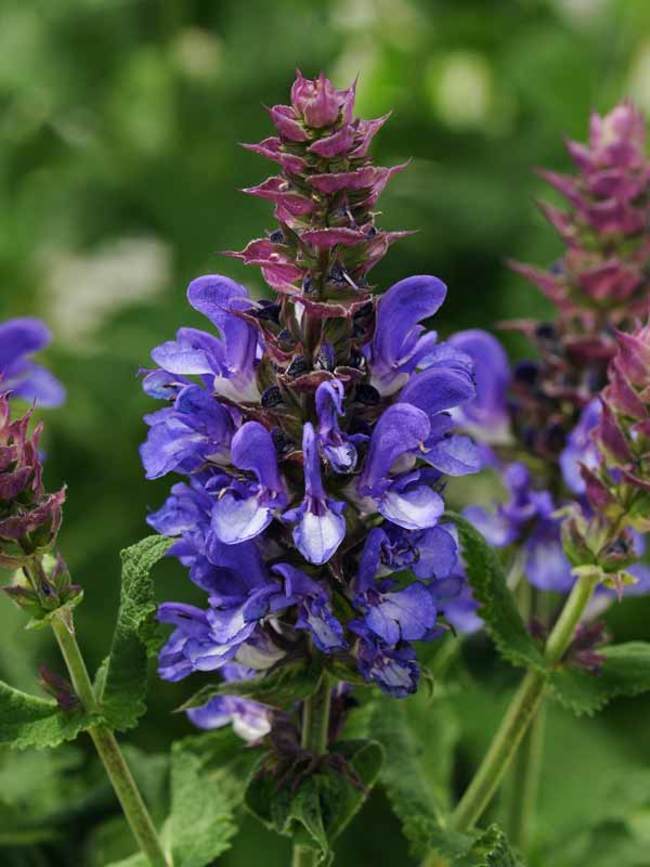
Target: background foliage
119, 173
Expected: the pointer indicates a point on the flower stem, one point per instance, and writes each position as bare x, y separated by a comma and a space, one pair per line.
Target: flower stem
314, 738
522, 710
107, 747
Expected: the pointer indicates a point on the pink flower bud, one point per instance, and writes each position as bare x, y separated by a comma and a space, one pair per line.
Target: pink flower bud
317, 101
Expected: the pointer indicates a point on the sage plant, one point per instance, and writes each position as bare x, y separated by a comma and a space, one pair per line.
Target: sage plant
312, 432
566, 429
41, 585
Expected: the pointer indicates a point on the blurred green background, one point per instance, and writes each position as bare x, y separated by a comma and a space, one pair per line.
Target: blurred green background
119, 177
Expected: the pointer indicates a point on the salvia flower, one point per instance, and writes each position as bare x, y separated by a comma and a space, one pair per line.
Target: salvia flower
314, 433
19, 375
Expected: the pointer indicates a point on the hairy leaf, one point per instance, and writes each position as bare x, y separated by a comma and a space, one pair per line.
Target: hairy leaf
280, 687
124, 674
29, 721
497, 604
625, 671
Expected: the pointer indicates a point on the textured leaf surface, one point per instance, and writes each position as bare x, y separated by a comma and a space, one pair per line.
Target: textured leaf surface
29, 721
124, 674
497, 604
625, 671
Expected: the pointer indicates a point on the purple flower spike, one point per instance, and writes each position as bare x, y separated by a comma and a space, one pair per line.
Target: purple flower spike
399, 344
308, 417
19, 338
244, 509
320, 525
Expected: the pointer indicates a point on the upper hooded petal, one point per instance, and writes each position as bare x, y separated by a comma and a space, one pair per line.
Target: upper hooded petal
253, 449
399, 312
401, 428
219, 298
438, 389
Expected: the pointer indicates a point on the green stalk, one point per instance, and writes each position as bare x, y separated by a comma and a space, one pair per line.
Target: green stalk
525, 783
522, 710
107, 747
314, 738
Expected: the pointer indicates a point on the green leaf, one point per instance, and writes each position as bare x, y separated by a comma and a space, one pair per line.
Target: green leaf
497, 604
491, 849
280, 687
124, 674
625, 671
209, 774
325, 802
433, 721
29, 721
136, 860
411, 794
341, 800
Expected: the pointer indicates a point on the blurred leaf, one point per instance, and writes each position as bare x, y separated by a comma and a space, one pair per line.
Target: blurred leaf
125, 676
625, 671
491, 849
409, 790
280, 687
29, 721
136, 860
497, 604
209, 774
433, 721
